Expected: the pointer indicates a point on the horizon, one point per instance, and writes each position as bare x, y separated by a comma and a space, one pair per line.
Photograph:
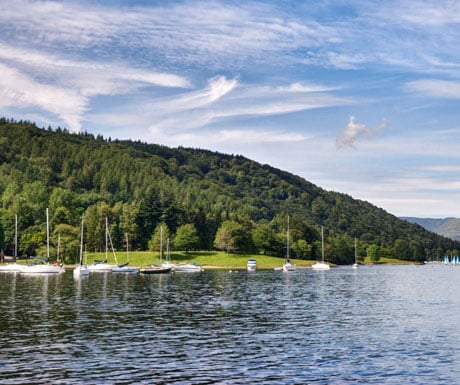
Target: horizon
356, 98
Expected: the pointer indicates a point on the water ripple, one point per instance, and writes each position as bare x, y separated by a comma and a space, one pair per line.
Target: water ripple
379, 325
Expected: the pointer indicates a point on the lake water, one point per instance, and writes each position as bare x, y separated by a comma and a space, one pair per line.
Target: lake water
374, 325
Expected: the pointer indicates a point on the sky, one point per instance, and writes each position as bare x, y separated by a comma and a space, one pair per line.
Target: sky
358, 97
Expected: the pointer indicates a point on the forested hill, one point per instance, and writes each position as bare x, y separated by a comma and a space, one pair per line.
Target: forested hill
203, 200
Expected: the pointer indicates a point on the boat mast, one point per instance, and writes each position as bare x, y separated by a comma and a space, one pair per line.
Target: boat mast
47, 236
161, 244
322, 244
15, 236
106, 239
287, 241
81, 242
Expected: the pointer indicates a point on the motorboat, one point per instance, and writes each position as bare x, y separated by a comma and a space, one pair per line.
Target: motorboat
251, 265
188, 268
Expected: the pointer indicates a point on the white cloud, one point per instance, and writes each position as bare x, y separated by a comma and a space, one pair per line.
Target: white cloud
353, 130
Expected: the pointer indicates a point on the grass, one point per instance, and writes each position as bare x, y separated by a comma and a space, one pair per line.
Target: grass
216, 259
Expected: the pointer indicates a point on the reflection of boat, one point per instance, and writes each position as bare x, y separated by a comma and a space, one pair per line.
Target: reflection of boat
45, 267
355, 265
81, 269
13, 267
288, 265
124, 268
101, 264
321, 265
251, 265
188, 268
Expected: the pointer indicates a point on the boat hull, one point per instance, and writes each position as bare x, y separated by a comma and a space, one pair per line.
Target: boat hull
81, 271
42, 269
102, 267
11, 268
320, 266
155, 270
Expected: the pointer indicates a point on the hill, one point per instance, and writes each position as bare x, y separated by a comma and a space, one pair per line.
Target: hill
202, 199
448, 227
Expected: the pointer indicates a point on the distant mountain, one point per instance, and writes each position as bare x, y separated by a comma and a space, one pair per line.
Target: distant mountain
448, 227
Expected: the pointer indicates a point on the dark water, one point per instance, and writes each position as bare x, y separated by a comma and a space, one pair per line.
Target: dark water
376, 325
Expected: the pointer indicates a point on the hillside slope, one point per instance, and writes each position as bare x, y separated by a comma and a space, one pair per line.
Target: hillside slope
447, 227
141, 186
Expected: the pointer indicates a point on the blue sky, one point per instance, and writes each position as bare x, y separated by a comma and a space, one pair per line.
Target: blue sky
359, 97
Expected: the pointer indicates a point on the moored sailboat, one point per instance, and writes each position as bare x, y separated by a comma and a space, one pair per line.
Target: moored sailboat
13, 267
81, 270
45, 267
321, 265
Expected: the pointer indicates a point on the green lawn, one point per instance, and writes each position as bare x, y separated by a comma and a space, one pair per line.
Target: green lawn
215, 259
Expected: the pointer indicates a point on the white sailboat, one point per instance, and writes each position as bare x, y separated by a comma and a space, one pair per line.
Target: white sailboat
167, 262
355, 265
13, 267
81, 270
321, 265
125, 268
45, 267
288, 265
102, 265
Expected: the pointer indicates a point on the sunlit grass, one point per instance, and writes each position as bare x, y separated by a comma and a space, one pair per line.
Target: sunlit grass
216, 259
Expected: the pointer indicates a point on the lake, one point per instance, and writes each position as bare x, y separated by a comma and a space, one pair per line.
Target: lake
373, 325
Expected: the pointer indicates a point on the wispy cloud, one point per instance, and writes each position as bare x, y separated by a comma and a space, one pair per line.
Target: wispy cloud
354, 130
435, 87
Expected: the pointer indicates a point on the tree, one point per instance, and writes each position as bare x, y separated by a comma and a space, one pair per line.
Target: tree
373, 252
224, 240
186, 238
264, 239
158, 240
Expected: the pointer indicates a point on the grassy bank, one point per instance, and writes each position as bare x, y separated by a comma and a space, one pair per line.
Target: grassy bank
215, 259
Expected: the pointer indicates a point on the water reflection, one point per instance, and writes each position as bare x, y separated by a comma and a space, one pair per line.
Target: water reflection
372, 325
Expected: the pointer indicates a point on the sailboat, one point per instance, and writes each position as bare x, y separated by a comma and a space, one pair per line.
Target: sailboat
355, 265
288, 265
81, 270
167, 262
155, 269
13, 267
45, 267
125, 268
321, 265
102, 265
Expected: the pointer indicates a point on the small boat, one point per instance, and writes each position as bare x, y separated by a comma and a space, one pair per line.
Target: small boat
321, 265
167, 264
125, 268
355, 265
13, 267
101, 265
81, 270
45, 267
288, 265
153, 269
188, 268
251, 265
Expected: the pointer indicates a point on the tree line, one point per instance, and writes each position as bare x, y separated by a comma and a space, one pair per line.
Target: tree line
203, 200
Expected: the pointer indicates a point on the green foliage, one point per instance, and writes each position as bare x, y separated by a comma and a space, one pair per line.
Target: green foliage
235, 204
186, 238
373, 252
